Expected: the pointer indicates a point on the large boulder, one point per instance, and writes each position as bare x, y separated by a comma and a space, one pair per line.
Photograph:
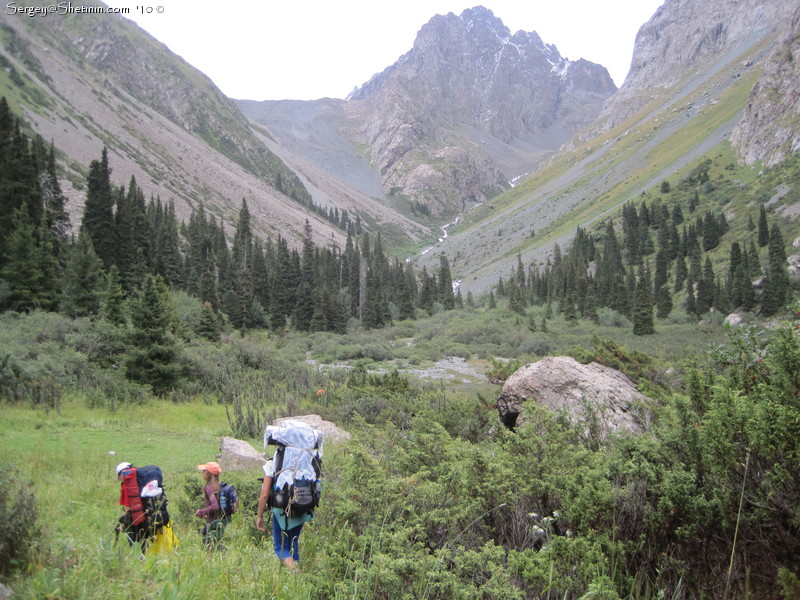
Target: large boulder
590, 394
238, 455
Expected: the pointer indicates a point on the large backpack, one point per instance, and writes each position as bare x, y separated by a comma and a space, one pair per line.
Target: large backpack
296, 484
228, 499
154, 499
145, 489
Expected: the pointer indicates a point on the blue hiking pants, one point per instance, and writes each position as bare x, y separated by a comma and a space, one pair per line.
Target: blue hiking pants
286, 542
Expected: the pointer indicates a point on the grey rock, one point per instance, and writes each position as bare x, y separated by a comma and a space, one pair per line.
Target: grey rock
238, 455
582, 392
768, 129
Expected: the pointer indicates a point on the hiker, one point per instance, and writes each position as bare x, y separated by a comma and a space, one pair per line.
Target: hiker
144, 503
131, 504
290, 486
212, 512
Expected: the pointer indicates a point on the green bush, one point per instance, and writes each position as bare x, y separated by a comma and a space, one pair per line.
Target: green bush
20, 534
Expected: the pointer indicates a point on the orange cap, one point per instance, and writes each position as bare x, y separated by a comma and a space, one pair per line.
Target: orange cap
211, 467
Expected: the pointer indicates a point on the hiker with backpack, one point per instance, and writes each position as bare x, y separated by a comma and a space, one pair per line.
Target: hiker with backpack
291, 486
144, 504
216, 519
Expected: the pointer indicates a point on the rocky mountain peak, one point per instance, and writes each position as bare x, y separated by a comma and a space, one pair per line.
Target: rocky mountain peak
487, 100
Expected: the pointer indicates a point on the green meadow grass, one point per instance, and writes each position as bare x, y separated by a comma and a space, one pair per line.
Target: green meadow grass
65, 457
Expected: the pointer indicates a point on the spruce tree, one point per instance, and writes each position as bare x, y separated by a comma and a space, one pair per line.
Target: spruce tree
776, 286
153, 355
98, 211
28, 268
663, 302
445, 295
209, 325
643, 307
83, 280
763, 227
113, 303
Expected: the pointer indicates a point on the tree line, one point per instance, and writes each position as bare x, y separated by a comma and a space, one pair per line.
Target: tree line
651, 259
123, 239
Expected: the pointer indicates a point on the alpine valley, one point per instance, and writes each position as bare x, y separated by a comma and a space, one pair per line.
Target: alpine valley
491, 134
551, 328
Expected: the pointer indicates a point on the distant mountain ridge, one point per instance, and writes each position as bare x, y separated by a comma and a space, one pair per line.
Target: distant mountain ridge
443, 130
87, 81
466, 110
694, 81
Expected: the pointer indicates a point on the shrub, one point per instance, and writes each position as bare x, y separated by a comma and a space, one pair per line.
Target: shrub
19, 532
608, 317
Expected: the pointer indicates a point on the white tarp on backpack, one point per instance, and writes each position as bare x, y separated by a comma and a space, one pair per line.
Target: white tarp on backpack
302, 443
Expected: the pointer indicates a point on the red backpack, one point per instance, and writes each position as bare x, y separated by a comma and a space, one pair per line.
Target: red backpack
131, 486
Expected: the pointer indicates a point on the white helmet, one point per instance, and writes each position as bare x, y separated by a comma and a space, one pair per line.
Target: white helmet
122, 466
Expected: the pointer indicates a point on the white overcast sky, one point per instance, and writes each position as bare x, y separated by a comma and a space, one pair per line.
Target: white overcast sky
310, 49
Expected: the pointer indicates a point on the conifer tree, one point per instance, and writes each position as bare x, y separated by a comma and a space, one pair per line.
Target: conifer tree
152, 358
763, 227
776, 286
113, 301
98, 211
663, 302
209, 325
83, 280
57, 220
568, 307
643, 307
445, 295
29, 268
680, 273
691, 302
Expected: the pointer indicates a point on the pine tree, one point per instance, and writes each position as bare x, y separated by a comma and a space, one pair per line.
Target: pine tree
643, 307
209, 325
680, 273
763, 227
445, 295
83, 280
152, 358
663, 302
28, 268
776, 286
113, 303
98, 211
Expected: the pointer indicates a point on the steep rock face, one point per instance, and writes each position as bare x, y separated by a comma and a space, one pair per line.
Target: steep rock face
470, 71
593, 394
770, 127
466, 110
691, 38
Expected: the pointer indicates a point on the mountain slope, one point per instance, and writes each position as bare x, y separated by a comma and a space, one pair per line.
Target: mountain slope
88, 81
770, 127
467, 109
654, 127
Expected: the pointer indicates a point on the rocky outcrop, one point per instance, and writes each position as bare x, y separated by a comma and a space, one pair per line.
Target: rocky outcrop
469, 77
688, 41
470, 107
593, 394
769, 130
